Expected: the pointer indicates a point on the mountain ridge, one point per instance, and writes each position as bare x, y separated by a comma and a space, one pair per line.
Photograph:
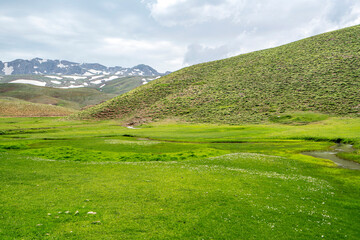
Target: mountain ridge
46, 66
319, 74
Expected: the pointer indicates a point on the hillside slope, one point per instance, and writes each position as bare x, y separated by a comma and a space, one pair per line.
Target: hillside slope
125, 84
12, 107
71, 98
320, 74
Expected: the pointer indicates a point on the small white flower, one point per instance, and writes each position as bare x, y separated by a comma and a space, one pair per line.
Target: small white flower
91, 212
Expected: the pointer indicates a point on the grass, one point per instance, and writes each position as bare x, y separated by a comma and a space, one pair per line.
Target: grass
298, 118
318, 74
174, 181
12, 107
123, 85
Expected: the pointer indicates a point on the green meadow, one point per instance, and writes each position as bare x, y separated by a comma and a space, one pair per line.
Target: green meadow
67, 179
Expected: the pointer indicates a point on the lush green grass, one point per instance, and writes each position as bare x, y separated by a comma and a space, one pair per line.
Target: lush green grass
318, 74
298, 118
206, 182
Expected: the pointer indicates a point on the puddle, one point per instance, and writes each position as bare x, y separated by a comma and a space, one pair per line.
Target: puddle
131, 127
331, 155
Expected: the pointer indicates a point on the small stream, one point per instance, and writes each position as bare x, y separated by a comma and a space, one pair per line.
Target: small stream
331, 155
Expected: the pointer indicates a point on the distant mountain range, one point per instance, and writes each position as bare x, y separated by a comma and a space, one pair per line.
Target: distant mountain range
38, 66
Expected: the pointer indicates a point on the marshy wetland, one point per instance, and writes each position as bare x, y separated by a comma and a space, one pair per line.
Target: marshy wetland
99, 180
331, 155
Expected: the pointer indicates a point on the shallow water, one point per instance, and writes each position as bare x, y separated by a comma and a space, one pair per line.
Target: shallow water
331, 155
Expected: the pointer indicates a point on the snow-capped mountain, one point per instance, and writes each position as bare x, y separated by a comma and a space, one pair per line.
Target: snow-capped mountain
38, 66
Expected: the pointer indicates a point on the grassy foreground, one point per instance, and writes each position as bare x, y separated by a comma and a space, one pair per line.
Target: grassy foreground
99, 180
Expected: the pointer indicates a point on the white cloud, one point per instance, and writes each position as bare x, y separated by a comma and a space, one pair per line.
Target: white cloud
262, 14
230, 27
186, 12
62, 25
197, 53
152, 52
353, 18
166, 34
112, 45
163, 6
244, 12
6, 20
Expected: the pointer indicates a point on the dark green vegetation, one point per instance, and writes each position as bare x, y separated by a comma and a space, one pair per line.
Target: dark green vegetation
69, 98
318, 74
172, 181
298, 118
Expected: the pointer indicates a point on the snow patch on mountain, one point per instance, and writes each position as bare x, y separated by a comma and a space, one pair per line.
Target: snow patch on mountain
32, 82
88, 74
144, 81
96, 77
97, 81
74, 77
73, 86
110, 78
93, 71
60, 65
54, 77
120, 72
42, 60
8, 70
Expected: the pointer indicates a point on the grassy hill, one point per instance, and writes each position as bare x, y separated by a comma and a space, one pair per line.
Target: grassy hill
70, 98
12, 107
317, 74
123, 85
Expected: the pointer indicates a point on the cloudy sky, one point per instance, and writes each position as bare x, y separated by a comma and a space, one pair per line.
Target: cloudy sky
165, 34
